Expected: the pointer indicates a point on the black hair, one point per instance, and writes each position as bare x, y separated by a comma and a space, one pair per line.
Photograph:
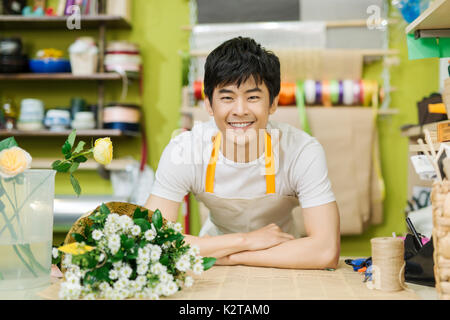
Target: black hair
236, 60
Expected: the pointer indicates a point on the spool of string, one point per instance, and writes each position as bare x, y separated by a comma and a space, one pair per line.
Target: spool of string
388, 264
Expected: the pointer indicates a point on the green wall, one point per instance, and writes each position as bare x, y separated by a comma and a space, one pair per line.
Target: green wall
156, 27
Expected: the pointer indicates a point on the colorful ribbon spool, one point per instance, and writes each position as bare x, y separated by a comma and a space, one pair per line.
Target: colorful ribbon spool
326, 93
199, 90
287, 94
310, 91
334, 92
348, 92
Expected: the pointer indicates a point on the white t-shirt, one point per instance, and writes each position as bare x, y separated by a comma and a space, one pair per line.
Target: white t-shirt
300, 165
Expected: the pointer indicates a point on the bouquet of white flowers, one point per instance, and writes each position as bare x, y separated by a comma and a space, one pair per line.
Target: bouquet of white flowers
121, 251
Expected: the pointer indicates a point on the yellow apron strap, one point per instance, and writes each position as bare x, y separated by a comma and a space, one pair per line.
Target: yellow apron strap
211, 170
270, 165
269, 162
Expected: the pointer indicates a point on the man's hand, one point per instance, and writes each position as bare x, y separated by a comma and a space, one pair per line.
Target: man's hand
266, 237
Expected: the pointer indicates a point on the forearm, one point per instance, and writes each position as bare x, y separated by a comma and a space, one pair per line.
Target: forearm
303, 253
219, 246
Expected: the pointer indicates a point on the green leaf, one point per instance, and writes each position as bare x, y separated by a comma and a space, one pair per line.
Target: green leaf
71, 138
75, 185
164, 260
63, 167
67, 150
138, 214
56, 164
157, 219
8, 143
74, 167
118, 256
128, 244
208, 263
80, 159
78, 237
144, 224
79, 147
104, 210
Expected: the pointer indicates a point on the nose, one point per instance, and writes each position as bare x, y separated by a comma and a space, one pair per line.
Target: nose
240, 108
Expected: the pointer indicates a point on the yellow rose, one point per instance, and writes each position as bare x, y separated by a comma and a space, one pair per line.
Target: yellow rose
103, 151
14, 161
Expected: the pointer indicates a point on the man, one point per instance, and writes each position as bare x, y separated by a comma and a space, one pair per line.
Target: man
250, 172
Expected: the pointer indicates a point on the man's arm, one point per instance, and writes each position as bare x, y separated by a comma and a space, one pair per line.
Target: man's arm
319, 250
221, 246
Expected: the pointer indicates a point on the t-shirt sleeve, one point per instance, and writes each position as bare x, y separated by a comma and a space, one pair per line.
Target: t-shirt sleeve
310, 176
175, 173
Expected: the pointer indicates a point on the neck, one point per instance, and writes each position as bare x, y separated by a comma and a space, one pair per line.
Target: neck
243, 153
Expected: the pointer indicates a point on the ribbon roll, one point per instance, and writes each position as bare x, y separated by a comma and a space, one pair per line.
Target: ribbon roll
356, 92
341, 92
287, 94
198, 90
334, 92
318, 92
310, 91
348, 92
326, 97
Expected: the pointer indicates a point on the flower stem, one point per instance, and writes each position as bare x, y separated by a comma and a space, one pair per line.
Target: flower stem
16, 212
24, 262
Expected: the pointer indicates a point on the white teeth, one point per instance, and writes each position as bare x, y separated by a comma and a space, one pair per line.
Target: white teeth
240, 125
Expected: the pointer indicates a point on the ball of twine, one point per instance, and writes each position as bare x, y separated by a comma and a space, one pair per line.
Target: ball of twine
388, 264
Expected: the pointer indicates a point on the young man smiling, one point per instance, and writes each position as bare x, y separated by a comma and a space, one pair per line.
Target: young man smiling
250, 172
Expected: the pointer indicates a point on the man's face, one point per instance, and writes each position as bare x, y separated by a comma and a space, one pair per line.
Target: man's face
241, 113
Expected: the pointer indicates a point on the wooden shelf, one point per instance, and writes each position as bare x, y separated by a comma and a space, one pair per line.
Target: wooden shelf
80, 133
59, 76
436, 17
17, 22
364, 52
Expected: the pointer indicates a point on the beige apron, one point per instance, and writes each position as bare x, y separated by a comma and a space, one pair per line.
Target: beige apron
245, 215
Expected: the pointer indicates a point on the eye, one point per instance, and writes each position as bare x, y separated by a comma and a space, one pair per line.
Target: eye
253, 98
226, 98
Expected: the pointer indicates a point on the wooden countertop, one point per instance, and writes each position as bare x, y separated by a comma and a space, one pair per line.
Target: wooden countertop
255, 283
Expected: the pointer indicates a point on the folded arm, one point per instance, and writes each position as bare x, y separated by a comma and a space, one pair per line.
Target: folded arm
319, 250
224, 245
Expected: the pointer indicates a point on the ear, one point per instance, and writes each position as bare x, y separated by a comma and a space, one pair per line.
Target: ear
274, 105
208, 106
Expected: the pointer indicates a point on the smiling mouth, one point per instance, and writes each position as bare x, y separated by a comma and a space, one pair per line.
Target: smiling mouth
241, 125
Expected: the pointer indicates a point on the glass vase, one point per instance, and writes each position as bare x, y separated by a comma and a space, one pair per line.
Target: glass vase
26, 229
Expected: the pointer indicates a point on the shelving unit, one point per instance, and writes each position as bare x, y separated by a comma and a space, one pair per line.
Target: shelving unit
65, 133
100, 22
433, 22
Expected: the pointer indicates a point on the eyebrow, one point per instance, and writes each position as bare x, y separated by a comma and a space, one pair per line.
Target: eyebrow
223, 90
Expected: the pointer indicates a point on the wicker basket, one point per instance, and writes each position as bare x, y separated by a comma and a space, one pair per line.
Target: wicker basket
440, 199
115, 207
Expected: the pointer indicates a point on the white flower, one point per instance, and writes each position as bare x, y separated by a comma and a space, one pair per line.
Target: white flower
198, 268
135, 286
141, 280
178, 227
69, 291
170, 288
104, 286
194, 250
157, 268
67, 260
140, 295
155, 255
122, 283
150, 234
144, 252
182, 264
142, 269
113, 274
101, 257
97, 234
117, 265
143, 260
135, 230
165, 277
170, 224
89, 296
189, 281
55, 253
126, 271
166, 245
125, 222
